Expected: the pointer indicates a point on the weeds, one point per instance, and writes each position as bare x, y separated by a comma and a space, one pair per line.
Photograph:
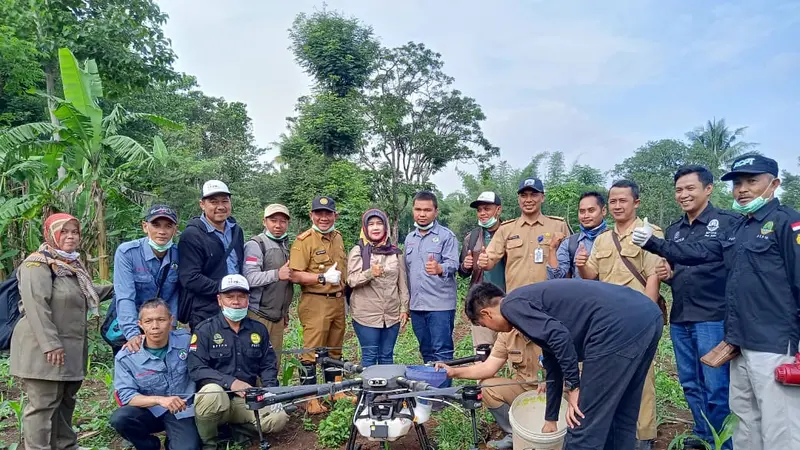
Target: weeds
720, 438
334, 430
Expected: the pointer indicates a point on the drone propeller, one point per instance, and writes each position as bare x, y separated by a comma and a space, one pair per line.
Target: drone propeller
301, 351
454, 390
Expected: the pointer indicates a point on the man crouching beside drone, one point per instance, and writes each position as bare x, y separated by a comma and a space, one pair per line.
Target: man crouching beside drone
613, 330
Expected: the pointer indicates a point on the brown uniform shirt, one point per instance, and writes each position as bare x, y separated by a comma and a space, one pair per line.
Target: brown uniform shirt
315, 252
607, 262
520, 352
518, 240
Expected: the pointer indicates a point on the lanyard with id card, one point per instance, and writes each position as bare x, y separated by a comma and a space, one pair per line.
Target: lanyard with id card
538, 254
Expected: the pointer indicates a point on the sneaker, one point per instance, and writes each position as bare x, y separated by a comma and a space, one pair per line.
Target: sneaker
506, 443
693, 444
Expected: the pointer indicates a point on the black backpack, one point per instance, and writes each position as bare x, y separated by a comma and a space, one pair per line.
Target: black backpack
9, 309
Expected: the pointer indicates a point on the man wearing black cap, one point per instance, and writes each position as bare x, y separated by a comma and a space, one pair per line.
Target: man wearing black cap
144, 269
489, 207
526, 242
317, 260
211, 246
762, 253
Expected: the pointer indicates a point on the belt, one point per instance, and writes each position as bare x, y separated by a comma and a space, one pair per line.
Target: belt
336, 294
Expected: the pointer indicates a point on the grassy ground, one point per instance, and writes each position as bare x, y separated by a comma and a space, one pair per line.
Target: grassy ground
448, 428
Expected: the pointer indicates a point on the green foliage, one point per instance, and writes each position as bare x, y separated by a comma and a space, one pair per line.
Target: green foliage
790, 183
721, 143
720, 436
334, 430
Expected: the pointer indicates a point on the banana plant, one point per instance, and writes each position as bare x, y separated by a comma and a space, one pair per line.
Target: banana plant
85, 143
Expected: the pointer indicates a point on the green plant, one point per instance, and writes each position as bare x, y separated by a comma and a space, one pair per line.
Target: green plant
451, 432
17, 406
309, 425
334, 430
288, 370
720, 438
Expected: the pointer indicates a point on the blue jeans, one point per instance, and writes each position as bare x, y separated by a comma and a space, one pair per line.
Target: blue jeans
377, 344
434, 331
137, 425
705, 388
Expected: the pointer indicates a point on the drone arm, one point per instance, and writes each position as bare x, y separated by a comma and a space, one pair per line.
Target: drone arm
413, 386
346, 365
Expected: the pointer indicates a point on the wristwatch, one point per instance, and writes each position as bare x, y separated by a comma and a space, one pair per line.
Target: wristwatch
571, 387
321, 278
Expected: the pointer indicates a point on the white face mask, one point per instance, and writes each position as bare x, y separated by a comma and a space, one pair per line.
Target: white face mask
69, 256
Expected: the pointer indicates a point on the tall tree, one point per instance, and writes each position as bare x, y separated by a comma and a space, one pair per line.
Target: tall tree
556, 171
791, 188
417, 124
722, 143
97, 157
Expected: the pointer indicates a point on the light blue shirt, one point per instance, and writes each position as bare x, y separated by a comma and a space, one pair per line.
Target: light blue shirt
432, 292
137, 272
142, 373
566, 266
227, 239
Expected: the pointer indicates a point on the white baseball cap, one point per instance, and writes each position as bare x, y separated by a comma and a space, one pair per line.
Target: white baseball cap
212, 187
234, 282
488, 197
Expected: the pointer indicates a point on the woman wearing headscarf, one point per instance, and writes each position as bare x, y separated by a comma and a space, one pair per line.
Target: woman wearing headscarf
49, 346
379, 301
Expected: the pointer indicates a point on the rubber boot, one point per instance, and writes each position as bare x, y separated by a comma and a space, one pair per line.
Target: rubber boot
207, 429
334, 375
500, 415
644, 445
308, 376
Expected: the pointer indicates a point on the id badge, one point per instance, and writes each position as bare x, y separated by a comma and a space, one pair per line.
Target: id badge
538, 255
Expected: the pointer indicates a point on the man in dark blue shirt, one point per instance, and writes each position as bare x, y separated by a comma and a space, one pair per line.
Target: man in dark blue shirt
698, 303
762, 254
613, 329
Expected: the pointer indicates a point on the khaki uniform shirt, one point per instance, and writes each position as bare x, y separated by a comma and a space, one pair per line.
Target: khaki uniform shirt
315, 252
520, 352
377, 302
54, 316
518, 240
606, 261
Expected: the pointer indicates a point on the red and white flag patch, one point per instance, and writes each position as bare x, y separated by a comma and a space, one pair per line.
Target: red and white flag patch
251, 260
796, 226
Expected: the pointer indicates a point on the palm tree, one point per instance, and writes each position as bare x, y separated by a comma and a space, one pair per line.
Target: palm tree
722, 144
87, 145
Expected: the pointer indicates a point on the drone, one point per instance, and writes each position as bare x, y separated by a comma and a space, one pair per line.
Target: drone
389, 402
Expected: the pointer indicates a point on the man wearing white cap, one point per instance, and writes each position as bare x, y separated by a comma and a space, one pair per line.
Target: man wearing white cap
212, 246
266, 267
230, 352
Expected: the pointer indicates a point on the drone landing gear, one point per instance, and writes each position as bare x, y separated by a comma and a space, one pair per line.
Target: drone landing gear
263, 444
422, 436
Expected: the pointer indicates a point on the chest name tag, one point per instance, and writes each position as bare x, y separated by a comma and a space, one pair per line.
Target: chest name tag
320, 252
511, 238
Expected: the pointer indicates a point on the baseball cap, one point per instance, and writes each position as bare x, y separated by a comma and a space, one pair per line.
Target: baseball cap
212, 187
276, 208
751, 164
323, 202
531, 183
159, 211
486, 197
234, 282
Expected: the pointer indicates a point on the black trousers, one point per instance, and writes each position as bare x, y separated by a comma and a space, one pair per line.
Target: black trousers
611, 392
137, 426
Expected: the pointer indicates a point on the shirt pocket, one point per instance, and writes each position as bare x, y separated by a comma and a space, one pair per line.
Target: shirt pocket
436, 251
516, 358
144, 281
515, 248
605, 264
253, 356
152, 382
220, 353
322, 260
763, 256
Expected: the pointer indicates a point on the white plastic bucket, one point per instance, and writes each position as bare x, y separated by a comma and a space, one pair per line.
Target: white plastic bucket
527, 418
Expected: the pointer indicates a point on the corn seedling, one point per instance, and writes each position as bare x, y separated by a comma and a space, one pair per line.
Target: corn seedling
720, 437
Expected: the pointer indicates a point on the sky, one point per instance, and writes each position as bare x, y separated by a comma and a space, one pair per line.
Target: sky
593, 79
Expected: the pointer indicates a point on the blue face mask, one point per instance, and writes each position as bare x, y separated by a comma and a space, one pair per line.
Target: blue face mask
488, 224
594, 232
159, 248
425, 228
277, 238
234, 314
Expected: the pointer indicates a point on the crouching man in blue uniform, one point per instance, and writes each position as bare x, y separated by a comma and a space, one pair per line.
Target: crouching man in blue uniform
152, 385
613, 330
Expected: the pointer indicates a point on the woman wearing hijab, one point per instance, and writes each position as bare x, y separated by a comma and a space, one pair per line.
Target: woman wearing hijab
49, 346
379, 301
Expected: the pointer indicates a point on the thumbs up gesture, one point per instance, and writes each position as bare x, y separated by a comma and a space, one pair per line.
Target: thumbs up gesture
642, 234
285, 273
333, 276
468, 261
432, 267
581, 256
483, 260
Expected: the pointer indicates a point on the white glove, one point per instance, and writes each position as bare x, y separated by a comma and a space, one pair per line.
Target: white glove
642, 234
333, 276
275, 407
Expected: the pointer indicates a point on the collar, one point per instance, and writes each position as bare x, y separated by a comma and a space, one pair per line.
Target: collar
767, 209
326, 236
170, 346
243, 325
148, 251
523, 220
636, 223
210, 228
704, 217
